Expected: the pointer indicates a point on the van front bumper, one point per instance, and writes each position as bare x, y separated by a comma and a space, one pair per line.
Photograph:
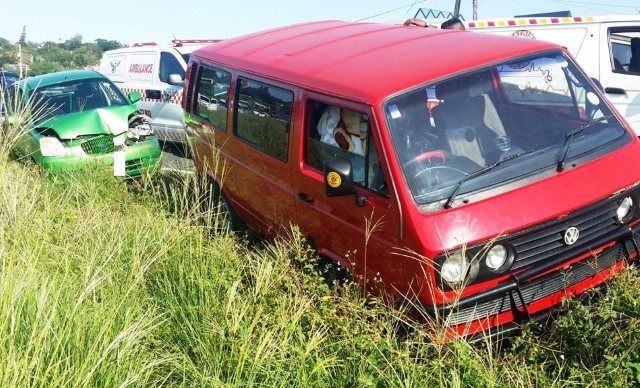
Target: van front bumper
534, 293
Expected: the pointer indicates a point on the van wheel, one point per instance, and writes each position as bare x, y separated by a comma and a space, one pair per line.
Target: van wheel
333, 273
216, 210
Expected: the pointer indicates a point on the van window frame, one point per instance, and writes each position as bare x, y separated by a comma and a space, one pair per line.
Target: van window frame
373, 137
196, 89
235, 90
619, 29
163, 54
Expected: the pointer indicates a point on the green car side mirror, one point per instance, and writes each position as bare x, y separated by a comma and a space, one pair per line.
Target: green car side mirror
134, 97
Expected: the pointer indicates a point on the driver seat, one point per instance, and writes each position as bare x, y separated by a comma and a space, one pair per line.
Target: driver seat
411, 114
467, 118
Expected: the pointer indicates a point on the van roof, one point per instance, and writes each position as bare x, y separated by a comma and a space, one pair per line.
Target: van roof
363, 61
154, 47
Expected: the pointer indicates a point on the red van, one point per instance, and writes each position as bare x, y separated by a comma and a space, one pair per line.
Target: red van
484, 177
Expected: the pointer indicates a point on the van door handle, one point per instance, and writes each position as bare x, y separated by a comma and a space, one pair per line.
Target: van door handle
615, 91
152, 94
304, 197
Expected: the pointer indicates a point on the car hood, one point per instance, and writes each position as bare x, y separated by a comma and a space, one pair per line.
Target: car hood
111, 120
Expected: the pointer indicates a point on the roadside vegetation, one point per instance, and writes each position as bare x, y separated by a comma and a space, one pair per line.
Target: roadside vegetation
49, 57
108, 283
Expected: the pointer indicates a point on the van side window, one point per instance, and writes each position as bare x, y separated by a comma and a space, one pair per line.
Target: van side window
212, 96
334, 132
169, 65
625, 50
262, 116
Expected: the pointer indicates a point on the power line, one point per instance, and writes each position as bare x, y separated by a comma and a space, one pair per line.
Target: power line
409, 9
392, 10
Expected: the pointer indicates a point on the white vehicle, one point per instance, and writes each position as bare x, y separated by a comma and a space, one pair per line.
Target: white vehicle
607, 48
157, 72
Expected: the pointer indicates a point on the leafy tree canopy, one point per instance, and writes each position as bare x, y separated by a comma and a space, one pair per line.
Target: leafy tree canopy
49, 56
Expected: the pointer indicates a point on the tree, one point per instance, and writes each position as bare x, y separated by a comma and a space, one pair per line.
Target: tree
106, 45
23, 36
73, 43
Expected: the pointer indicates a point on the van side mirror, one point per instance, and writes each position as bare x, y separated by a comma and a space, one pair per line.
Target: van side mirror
176, 79
338, 180
598, 84
134, 97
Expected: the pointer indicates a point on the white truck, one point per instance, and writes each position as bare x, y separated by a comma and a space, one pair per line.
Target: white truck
157, 73
607, 48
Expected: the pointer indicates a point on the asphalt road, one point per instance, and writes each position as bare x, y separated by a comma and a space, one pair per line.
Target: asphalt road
174, 158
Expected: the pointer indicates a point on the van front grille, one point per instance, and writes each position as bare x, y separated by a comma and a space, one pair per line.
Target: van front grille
546, 241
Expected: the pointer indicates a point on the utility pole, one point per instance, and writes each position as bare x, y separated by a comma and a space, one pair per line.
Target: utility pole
456, 9
475, 9
20, 59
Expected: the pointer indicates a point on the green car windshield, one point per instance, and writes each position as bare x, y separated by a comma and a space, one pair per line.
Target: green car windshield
75, 96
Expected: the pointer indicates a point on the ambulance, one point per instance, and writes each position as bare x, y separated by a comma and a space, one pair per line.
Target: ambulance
606, 47
157, 73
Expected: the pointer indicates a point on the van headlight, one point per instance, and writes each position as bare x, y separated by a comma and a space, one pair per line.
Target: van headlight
624, 209
455, 267
496, 257
51, 146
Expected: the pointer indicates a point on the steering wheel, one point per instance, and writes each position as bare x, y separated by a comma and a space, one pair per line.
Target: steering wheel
430, 170
432, 158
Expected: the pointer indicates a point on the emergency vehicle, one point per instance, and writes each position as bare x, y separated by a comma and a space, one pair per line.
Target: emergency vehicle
157, 73
485, 206
606, 47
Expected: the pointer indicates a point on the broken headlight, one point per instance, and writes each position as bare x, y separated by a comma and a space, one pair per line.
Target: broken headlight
139, 128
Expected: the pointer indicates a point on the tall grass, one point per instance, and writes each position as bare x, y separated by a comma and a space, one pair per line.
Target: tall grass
104, 283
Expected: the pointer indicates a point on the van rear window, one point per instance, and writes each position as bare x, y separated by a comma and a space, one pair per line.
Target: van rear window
263, 116
212, 96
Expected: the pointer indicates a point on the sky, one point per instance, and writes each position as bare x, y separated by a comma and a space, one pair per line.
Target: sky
160, 21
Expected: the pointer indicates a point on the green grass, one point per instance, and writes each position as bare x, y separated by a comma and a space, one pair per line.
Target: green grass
104, 283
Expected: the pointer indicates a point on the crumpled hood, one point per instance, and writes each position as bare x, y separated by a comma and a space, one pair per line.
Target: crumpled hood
111, 120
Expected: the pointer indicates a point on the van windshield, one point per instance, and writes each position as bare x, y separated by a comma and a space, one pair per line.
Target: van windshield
487, 128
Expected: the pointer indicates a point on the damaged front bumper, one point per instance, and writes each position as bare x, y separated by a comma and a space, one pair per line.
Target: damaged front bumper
139, 157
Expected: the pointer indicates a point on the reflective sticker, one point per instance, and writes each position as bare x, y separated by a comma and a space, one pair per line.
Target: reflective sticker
593, 98
333, 179
394, 112
118, 163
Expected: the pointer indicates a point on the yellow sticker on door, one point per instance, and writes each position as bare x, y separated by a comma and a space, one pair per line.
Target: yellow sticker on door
333, 179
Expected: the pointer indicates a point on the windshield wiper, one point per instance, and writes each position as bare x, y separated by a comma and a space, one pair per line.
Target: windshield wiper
564, 149
447, 205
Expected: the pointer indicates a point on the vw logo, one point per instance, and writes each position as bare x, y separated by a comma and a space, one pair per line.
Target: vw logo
571, 235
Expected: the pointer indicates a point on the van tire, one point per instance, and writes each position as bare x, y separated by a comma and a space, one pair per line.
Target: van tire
332, 272
216, 210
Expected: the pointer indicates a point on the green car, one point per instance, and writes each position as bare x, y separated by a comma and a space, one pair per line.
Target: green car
80, 117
